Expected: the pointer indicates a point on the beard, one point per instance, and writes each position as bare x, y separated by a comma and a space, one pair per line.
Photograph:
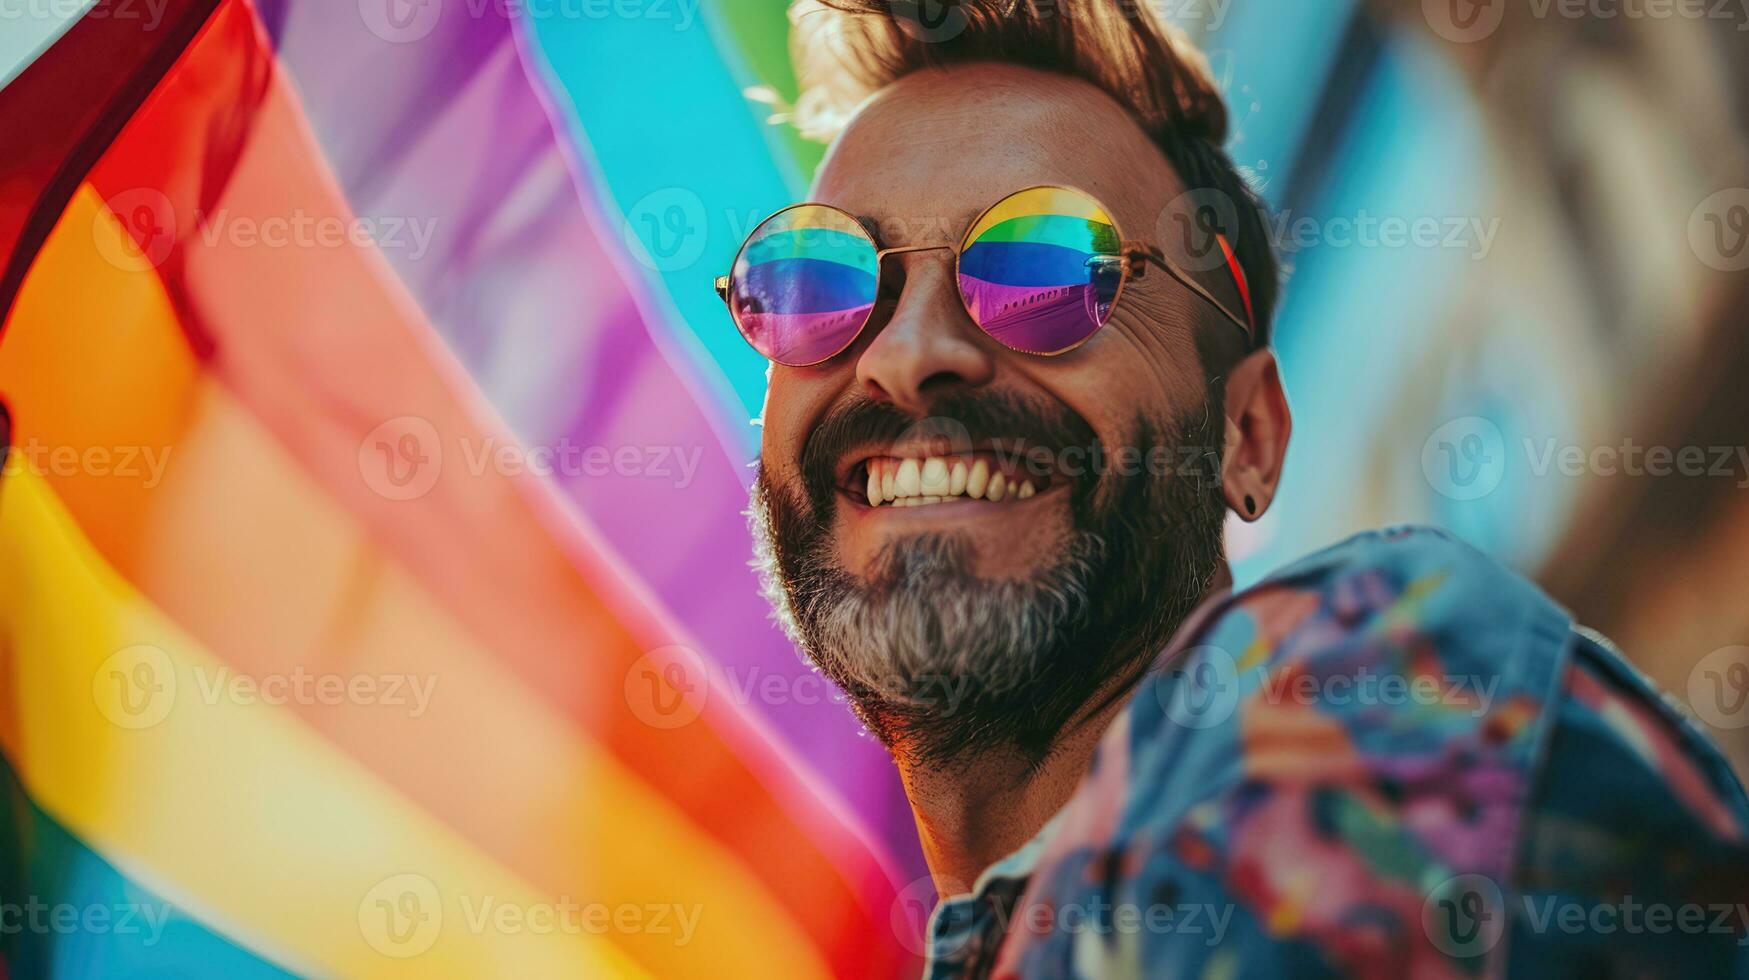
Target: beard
941, 664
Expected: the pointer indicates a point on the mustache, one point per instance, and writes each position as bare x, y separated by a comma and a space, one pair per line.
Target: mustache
957, 423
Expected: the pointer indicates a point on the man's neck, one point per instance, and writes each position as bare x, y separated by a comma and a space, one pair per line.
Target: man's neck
975, 811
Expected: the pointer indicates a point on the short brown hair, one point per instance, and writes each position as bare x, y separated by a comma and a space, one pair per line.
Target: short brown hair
845, 50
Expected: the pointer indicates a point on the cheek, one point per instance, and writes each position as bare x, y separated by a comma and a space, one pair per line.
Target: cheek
1127, 369
793, 402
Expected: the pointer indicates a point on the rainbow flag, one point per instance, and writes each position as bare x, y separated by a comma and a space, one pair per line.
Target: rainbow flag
374, 595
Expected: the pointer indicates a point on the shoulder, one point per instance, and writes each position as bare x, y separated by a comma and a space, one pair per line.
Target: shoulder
1322, 759
1634, 855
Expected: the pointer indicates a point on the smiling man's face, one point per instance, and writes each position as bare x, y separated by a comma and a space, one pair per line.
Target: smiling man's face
975, 541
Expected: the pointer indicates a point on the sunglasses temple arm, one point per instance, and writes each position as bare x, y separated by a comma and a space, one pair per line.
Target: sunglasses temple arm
1173, 270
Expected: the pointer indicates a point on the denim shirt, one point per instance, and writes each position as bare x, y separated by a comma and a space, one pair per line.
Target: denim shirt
1394, 758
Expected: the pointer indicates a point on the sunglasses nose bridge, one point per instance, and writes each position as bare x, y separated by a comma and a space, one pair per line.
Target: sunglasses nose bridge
881, 254
901, 250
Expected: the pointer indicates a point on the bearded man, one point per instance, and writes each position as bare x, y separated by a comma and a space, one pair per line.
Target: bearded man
1021, 376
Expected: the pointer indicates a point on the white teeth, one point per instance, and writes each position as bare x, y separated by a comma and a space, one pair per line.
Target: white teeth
978, 479
936, 479
909, 481
933, 479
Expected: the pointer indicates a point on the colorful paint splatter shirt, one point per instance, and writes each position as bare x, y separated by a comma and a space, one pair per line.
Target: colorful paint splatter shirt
1392, 759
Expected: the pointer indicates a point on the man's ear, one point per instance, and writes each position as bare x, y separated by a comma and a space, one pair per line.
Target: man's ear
1258, 425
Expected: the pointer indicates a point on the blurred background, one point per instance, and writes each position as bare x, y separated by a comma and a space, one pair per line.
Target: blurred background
1517, 236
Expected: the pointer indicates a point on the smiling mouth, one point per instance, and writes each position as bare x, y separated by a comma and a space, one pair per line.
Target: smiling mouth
919, 481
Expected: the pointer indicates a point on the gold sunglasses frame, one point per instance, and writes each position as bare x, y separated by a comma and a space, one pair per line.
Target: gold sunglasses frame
1135, 254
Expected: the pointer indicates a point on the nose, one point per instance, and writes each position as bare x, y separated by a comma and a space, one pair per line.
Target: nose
928, 344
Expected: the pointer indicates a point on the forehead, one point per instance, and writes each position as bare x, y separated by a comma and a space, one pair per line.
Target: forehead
933, 149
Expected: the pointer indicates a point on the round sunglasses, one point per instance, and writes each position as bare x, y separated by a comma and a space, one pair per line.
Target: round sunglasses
1039, 271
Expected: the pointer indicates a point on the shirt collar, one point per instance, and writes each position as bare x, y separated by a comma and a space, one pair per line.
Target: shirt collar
954, 914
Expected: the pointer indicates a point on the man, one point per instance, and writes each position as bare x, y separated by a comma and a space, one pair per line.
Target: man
1021, 376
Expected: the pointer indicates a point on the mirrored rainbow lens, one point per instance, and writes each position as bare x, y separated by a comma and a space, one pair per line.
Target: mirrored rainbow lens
1041, 269
803, 284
